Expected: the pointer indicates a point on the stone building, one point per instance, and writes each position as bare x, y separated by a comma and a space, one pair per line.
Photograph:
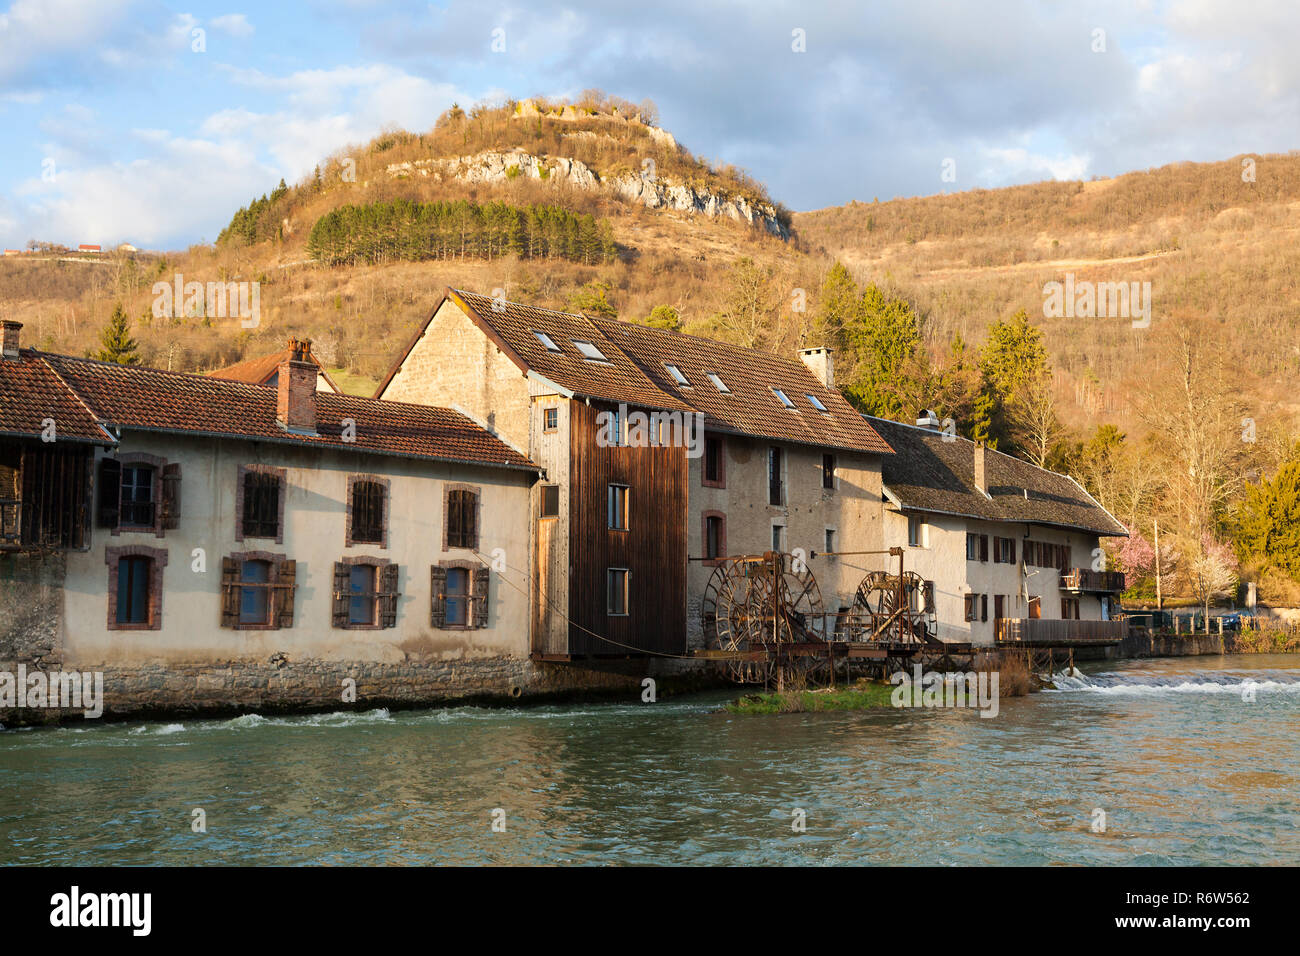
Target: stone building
1008, 550
216, 544
717, 450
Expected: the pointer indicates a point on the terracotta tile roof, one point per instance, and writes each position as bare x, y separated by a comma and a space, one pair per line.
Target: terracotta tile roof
750, 406
154, 400
31, 392
635, 373
619, 379
927, 473
260, 369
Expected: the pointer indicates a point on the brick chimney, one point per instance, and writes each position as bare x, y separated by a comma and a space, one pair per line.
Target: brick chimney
11, 338
821, 361
981, 482
295, 407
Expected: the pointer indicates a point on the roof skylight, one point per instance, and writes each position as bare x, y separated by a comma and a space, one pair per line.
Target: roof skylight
547, 341
785, 399
718, 383
590, 351
816, 403
677, 375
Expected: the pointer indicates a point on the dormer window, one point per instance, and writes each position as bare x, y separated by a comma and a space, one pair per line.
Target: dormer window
785, 399
589, 351
677, 375
547, 342
816, 403
718, 383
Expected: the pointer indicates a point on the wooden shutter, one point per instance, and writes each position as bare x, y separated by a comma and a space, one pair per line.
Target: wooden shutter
110, 492
984, 547
479, 600
342, 595
470, 525
1011, 559
229, 592
286, 586
171, 497
438, 596
453, 519
984, 607
388, 595
970, 607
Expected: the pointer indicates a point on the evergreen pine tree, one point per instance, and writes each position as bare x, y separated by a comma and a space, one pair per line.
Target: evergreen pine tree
117, 344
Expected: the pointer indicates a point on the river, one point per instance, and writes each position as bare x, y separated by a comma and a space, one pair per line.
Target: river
1185, 770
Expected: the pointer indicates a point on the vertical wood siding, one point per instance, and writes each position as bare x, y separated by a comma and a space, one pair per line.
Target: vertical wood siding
653, 549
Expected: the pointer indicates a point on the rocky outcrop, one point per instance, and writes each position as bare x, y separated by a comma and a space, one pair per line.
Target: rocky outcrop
651, 191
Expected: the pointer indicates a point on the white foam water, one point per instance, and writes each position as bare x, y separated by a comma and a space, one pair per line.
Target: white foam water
1203, 682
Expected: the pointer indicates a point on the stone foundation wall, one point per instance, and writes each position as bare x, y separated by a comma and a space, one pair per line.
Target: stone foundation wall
282, 686
1143, 643
31, 606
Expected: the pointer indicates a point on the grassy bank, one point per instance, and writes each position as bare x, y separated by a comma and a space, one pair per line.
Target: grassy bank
862, 696
1268, 639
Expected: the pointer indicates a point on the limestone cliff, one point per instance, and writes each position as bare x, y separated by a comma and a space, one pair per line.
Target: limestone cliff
644, 187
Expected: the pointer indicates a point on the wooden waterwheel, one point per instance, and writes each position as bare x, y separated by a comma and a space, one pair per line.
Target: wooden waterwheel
892, 608
765, 614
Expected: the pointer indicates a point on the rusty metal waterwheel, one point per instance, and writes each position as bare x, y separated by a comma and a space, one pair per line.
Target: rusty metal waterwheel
891, 609
759, 610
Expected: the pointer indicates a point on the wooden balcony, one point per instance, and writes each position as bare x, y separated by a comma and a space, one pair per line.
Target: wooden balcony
44, 496
1085, 581
1040, 632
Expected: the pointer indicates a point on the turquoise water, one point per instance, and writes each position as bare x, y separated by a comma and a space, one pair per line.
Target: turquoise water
1184, 769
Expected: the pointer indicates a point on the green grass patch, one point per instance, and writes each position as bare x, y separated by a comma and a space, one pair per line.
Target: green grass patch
352, 384
862, 696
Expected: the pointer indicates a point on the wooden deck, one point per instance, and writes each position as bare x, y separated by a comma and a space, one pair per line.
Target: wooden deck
1038, 632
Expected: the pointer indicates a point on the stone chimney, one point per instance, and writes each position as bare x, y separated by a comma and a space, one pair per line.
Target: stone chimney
11, 338
822, 362
928, 419
295, 407
981, 481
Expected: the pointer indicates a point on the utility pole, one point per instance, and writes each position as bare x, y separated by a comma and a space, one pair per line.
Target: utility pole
1160, 605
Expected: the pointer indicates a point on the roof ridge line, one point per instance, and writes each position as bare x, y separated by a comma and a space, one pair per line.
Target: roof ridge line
769, 356
99, 419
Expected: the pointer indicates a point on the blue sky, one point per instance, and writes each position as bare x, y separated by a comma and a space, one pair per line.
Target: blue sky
116, 129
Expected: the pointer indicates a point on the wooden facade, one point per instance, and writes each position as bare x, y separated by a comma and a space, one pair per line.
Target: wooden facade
44, 496
653, 549
1014, 630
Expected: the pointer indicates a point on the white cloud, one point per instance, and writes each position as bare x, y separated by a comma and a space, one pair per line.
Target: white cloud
233, 24
181, 188
186, 188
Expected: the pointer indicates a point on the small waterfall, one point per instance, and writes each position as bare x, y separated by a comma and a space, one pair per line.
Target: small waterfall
1233, 682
